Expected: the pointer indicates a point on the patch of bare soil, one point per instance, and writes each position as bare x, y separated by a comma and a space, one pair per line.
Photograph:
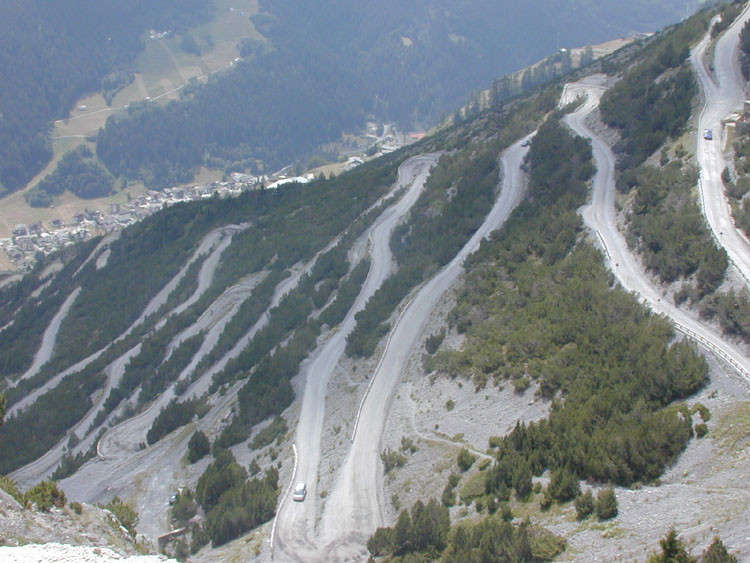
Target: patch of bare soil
441, 416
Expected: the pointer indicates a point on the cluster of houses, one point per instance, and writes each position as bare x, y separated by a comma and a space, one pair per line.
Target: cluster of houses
27, 241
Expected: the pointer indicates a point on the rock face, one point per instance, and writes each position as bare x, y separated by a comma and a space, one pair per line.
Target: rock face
63, 535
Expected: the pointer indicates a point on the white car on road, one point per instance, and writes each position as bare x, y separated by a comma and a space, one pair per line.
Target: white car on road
300, 491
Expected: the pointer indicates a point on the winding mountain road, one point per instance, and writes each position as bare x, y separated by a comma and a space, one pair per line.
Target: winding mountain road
296, 522
207, 244
41, 468
49, 337
722, 96
599, 216
355, 506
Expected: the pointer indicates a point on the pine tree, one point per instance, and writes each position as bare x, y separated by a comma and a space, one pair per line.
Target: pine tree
717, 553
584, 505
606, 504
672, 550
198, 446
402, 533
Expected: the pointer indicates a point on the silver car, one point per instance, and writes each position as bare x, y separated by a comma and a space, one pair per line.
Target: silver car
300, 491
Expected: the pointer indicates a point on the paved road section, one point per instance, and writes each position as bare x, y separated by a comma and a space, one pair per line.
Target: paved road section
354, 507
599, 216
724, 93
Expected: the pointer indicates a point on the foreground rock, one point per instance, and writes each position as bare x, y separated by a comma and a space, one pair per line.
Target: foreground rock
63, 535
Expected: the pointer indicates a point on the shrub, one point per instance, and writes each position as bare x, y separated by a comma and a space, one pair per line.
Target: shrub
491, 505
465, 459
77, 507
253, 468
274, 431
10, 487
703, 410
198, 446
585, 505
563, 485
545, 545
46, 495
185, 507
672, 549
606, 504
505, 512
407, 444
392, 459
125, 514
521, 384
433, 342
453, 480
381, 542
701, 430
521, 480
717, 553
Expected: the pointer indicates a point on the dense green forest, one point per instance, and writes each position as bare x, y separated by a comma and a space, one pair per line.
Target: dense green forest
411, 63
648, 111
539, 307
77, 173
51, 53
669, 230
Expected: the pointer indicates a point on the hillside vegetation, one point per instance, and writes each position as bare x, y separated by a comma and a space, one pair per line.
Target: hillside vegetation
538, 307
651, 107
51, 53
411, 63
112, 298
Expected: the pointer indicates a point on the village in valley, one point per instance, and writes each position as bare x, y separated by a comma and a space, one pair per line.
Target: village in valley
28, 241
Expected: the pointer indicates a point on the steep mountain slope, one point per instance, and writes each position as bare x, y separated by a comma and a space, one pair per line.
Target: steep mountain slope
253, 299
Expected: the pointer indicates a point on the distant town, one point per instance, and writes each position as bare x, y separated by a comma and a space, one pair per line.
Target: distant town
27, 242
